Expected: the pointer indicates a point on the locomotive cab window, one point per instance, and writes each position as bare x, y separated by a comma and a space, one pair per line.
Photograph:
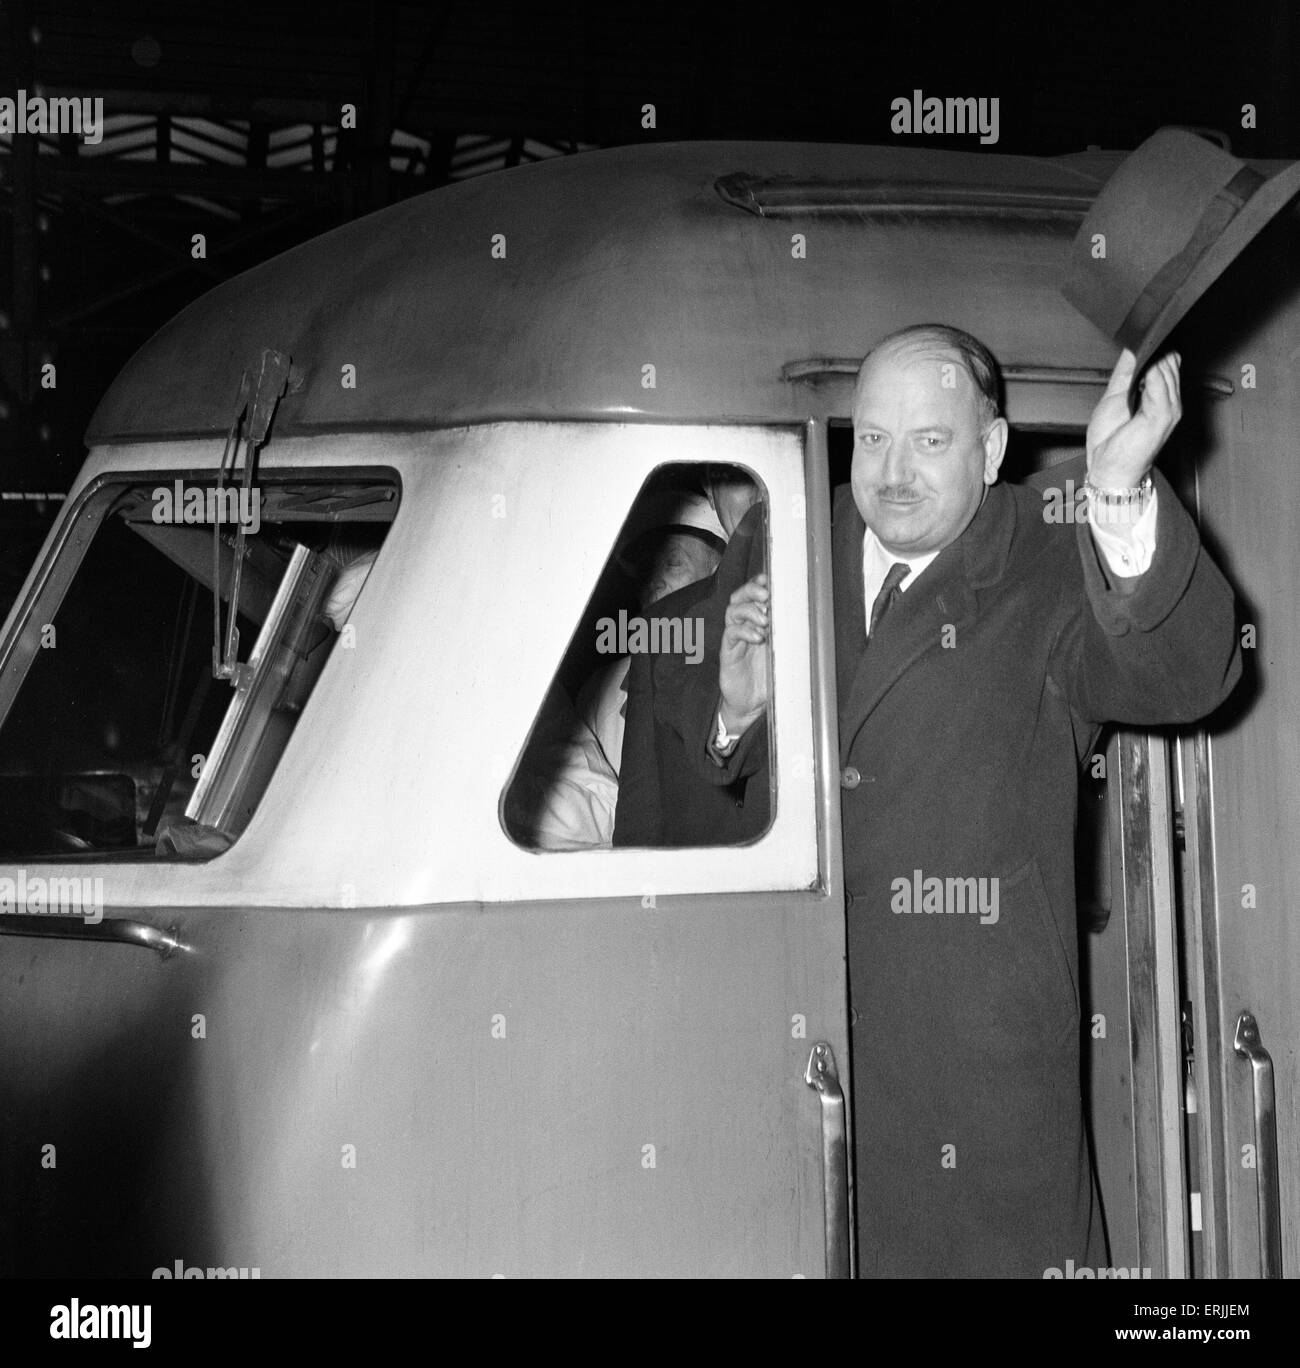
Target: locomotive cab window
158, 670
613, 748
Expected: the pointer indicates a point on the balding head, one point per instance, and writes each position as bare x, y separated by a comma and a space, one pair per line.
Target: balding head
927, 438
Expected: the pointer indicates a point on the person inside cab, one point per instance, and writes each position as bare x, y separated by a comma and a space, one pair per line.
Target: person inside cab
661, 802
565, 792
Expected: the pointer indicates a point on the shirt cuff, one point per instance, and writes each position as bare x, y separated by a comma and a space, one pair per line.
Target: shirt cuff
721, 744
1127, 547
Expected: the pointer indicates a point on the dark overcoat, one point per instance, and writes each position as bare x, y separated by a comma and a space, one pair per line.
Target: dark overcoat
661, 801
960, 732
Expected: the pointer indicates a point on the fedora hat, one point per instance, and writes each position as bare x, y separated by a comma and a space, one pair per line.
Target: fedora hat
1175, 214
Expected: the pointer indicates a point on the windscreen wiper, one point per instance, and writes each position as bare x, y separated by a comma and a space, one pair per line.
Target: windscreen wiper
272, 377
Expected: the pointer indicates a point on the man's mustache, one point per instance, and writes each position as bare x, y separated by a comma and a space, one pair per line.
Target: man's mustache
898, 493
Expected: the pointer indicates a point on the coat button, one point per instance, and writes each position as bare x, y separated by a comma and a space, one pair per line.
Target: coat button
850, 779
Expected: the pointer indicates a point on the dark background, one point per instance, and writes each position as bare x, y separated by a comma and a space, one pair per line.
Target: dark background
223, 119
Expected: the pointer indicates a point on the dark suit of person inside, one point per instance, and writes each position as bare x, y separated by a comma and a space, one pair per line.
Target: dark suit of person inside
979, 648
660, 802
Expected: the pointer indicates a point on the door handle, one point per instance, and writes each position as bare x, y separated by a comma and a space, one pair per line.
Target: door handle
1249, 1046
110, 929
822, 1075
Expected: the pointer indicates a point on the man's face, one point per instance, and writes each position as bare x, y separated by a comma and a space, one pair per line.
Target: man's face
681, 560
922, 454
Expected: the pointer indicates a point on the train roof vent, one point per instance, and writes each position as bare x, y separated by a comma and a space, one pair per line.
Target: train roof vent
815, 370
788, 197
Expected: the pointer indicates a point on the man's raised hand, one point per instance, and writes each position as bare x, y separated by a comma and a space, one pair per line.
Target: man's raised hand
1122, 448
743, 663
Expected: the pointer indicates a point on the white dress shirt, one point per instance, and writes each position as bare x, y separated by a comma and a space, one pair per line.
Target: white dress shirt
1126, 547
876, 562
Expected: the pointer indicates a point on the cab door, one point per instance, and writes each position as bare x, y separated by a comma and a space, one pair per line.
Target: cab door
658, 1036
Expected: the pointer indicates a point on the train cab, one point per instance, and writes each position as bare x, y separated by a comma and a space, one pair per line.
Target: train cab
309, 966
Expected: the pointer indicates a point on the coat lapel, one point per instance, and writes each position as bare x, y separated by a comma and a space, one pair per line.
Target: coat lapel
943, 595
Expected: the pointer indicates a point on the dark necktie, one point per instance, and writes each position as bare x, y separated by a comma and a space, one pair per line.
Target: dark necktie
889, 592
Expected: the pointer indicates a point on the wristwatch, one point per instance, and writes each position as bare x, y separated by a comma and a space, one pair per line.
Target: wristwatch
1117, 505
1119, 498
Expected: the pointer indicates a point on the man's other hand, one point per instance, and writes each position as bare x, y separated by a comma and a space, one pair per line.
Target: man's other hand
1122, 448
743, 664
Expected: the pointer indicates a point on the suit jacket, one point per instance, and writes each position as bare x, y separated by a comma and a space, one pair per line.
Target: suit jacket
661, 801
960, 728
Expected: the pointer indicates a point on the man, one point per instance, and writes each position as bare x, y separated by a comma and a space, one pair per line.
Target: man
661, 560
979, 650
660, 799
564, 794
